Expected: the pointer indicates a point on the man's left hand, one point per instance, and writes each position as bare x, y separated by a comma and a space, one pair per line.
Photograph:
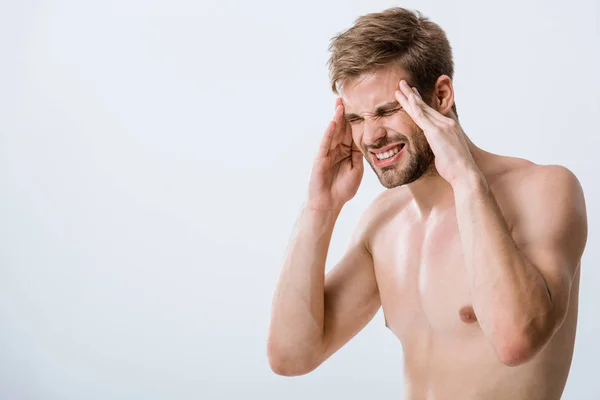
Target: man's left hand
447, 140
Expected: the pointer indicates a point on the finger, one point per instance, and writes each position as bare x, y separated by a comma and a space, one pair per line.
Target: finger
347, 134
340, 121
338, 102
352, 154
339, 112
412, 108
340, 125
435, 114
413, 95
357, 156
325, 144
327, 140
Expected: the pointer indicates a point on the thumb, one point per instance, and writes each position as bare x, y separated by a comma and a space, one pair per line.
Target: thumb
357, 156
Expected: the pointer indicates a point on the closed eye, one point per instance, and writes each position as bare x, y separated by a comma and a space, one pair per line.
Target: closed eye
354, 120
382, 113
389, 112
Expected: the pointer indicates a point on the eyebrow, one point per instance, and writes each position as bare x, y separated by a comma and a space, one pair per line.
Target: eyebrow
378, 109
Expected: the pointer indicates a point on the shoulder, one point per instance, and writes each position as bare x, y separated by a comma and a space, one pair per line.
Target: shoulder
519, 183
545, 185
383, 208
546, 199
550, 177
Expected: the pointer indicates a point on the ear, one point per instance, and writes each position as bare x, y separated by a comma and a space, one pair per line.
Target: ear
442, 98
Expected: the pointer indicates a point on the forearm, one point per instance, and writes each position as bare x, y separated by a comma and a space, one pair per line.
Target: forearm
297, 314
510, 296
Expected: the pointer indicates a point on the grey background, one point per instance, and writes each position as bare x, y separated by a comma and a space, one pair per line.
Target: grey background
154, 156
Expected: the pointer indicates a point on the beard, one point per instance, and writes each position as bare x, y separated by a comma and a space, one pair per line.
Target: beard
418, 160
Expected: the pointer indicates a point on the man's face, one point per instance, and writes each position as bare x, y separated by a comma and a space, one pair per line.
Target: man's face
378, 122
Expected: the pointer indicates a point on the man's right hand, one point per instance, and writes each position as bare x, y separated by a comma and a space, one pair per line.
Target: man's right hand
337, 169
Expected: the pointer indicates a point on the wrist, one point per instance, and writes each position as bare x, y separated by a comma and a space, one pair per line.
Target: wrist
318, 222
320, 211
470, 181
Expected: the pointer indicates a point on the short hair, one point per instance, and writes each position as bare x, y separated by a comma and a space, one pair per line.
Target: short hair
394, 36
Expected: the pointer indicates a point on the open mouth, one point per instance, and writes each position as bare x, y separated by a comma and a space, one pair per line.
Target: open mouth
388, 157
390, 153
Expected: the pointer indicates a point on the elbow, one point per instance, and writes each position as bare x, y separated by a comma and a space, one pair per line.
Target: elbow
285, 363
286, 368
516, 349
517, 344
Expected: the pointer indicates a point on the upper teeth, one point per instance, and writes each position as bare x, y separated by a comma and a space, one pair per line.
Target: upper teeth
387, 154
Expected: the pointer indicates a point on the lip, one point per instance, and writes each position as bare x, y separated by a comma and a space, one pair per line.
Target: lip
389, 161
387, 148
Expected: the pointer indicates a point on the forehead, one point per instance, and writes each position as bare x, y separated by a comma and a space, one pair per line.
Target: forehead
363, 93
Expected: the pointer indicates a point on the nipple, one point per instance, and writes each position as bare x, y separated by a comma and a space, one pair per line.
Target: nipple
467, 314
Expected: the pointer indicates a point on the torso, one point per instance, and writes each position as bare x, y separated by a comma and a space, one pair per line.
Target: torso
427, 304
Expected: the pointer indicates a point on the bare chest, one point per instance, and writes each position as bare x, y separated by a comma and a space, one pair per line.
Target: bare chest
422, 279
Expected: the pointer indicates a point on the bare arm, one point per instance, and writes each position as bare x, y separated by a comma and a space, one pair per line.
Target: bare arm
313, 315
520, 278
521, 281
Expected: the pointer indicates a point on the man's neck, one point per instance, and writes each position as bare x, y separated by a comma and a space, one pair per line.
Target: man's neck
432, 193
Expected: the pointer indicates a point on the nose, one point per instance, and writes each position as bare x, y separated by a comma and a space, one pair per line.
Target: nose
373, 131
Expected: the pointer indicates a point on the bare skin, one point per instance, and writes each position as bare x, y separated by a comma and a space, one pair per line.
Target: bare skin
475, 262
418, 267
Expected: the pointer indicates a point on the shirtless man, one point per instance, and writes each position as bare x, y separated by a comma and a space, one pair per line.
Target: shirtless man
473, 256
